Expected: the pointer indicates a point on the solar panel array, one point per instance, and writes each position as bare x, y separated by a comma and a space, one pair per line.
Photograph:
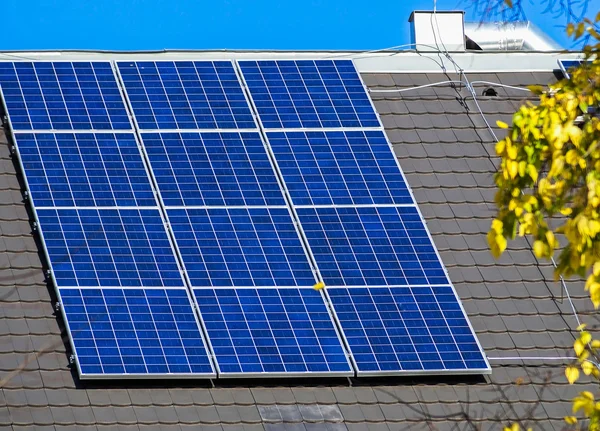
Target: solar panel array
365, 233
114, 267
211, 273
230, 221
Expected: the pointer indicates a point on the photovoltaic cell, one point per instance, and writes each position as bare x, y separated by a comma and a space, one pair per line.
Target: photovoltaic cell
63, 96
135, 331
308, 94
212, 169
371, 246
109, 247
338, 168
84, 169
186, 95
268, 330
240, 247
406, 329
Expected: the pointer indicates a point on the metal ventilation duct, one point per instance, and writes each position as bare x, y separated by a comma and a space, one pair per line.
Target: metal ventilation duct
508, 36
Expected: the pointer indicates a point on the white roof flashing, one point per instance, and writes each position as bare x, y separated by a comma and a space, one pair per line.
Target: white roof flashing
372, 62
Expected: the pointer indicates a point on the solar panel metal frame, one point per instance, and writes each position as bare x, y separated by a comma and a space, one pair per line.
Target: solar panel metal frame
50, 271
255, 110
327, 130
307, 374
282, 207
242, 83
31, 197
121, 92
293, 207
203, 132
147, 376
401, 373
562, 64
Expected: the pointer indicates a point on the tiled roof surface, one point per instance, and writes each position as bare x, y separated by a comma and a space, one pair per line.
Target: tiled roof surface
516, 309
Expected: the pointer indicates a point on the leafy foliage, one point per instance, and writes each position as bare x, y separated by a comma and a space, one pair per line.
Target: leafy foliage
549, 183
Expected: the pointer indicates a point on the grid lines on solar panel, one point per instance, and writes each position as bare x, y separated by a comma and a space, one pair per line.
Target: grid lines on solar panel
84, 169
212, 169
63, 96
406, 329
109, 247
308, 94
186, 95
371, 246
269, 330
135, 331
339, 168
226, 247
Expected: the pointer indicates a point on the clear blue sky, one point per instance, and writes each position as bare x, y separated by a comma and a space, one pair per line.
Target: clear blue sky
231, 24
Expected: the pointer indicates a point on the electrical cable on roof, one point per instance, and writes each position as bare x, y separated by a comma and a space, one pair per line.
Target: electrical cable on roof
434, 84
541, 358
469, 86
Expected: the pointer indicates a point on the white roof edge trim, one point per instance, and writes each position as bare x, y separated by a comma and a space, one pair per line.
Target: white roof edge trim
365, 62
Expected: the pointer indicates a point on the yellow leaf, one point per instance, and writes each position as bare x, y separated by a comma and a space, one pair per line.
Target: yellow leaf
502, 124
585, 401
572, 374
513, 168
538, 248
320, 285
513, 427
533, 173
586, 337
501, 241
579, 347
550, 238
587, 367
595, 344
500, 146
566, 211
497, 226
571, 420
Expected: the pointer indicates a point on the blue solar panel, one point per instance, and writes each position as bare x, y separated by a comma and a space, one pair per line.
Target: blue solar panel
337, 168
84, 169
109, 247
212, 169
186, 95
133, 331
567, 65
240, 247
63, 96
371, 246
407, 329
308, 94
267, 330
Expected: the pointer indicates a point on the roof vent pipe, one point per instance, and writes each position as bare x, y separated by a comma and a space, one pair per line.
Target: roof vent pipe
508, 36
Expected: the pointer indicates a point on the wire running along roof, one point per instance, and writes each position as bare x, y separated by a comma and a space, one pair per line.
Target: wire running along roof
250, 254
